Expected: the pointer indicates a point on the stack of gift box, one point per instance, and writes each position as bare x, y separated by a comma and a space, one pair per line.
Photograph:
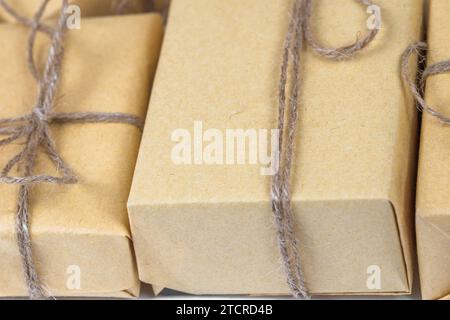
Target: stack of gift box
186, 203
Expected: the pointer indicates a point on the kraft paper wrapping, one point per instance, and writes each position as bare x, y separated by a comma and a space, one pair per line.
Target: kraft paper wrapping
81, 229
88, 8
209, 229
161, 5
433, 201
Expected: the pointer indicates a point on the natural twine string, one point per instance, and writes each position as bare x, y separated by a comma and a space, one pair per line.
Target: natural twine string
299, 34
34, 128
418, 91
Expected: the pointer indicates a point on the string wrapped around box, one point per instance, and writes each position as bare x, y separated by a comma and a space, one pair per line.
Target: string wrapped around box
299, 35
35, 130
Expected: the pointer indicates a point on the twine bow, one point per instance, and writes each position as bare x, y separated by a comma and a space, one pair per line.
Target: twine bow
299, 35
419, 91
34, 128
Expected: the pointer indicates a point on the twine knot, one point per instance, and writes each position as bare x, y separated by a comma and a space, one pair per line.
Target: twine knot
40, 115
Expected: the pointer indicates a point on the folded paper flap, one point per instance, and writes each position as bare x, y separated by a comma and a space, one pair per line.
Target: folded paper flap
97, 76
440, 223
207, 262
402, 209
433, 233
104, 263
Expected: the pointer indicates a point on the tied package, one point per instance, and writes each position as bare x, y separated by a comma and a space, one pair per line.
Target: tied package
79, 232
200, 203
433, 200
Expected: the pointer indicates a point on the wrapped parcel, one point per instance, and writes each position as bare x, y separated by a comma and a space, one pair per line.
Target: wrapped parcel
433, 200
80, 233
200, 206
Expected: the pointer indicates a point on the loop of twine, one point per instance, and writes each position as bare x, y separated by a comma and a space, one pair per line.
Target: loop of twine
35, 130
418, 91
298, 36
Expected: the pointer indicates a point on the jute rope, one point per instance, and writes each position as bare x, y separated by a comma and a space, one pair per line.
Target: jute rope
418, 91
34, 128
298, 36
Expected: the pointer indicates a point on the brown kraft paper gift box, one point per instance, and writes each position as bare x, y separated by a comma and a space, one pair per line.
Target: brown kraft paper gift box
88, 8
80, 229
208, 228
433, 200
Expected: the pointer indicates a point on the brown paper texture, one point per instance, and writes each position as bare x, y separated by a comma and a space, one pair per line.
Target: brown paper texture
108, 67
209, 229
433, 201
88, 8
